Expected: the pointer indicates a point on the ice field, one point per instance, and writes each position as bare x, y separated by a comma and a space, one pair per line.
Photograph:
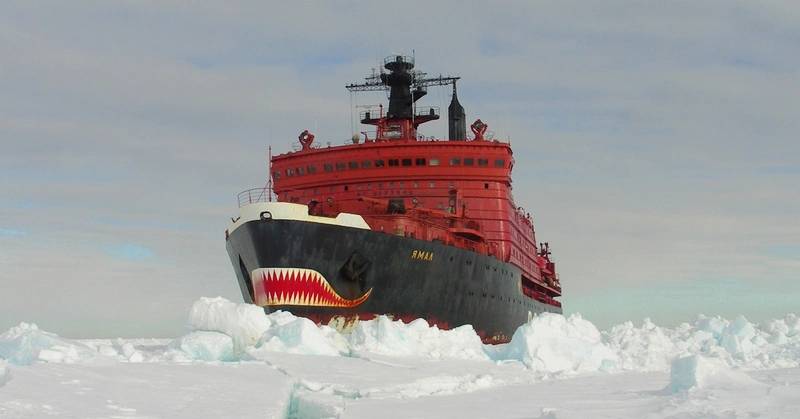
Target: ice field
236, 361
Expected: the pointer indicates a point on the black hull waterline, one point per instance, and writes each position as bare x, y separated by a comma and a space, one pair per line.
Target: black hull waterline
372, 273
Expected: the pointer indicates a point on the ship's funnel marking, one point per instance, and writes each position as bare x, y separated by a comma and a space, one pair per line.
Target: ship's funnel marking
298, 287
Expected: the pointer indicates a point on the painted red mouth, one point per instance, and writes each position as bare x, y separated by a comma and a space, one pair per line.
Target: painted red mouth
297, 287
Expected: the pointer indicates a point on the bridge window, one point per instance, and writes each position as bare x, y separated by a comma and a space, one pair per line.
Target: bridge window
276, 174
394, 162
300, 171
499, 163
455, 161
433, 162
366, 164
289, 172
354, 165
378, 163
311, 169
341, 166
327, 167
406, 162
469, 162
483, 162
420, 162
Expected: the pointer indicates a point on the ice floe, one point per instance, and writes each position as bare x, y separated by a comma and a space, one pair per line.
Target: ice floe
387, 337
244, 323
26, 343
204, 346
556, 344
697, 371
220, 330
5, 374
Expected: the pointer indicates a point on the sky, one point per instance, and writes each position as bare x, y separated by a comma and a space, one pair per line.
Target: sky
655, 143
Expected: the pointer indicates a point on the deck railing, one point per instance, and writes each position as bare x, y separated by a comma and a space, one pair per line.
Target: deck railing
253, 196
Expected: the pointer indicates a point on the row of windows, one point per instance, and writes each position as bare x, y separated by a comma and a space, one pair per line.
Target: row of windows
381, 185
366, 164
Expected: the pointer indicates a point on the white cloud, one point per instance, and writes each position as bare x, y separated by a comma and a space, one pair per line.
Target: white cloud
654, 141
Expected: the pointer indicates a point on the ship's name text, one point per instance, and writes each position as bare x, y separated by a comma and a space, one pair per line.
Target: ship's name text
422, 255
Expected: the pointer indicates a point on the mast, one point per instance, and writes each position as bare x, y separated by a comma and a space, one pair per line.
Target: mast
269, 175
405, 86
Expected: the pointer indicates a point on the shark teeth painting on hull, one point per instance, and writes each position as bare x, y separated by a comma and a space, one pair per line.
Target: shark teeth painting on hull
297, 287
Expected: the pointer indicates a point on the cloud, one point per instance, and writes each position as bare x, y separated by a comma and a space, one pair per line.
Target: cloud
11, 232
654, 143
131, 252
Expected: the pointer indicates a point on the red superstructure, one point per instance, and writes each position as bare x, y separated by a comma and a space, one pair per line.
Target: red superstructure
456, 192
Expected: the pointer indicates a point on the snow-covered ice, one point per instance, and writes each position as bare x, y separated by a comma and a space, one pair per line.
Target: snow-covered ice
384, 336
558, 344
25, 344
236, 361
697, 371
5, 375
244, 323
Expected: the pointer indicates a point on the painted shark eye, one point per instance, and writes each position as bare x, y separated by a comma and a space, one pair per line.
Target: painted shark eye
265, 215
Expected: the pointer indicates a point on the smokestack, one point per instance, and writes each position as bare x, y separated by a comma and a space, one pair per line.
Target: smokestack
457, 120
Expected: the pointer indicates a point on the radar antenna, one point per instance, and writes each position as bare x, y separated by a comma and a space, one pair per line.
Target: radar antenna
373, 82
405, 86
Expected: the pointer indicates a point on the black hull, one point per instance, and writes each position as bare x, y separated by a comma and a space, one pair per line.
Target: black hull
408, 278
